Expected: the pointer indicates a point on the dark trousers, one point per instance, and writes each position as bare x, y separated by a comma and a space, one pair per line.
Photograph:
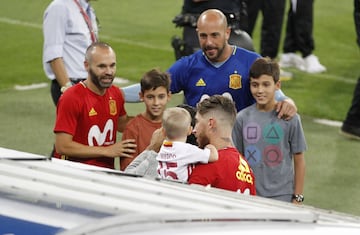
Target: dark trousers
299, 29
271, 27
55, 91
353, 115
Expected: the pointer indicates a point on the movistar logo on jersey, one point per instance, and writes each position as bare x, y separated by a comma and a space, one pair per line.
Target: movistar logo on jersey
200, 82
97, 136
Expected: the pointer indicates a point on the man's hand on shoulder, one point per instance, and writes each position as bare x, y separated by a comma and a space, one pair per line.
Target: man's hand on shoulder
286, 109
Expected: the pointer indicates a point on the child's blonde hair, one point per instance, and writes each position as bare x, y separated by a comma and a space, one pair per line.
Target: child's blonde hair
176, 122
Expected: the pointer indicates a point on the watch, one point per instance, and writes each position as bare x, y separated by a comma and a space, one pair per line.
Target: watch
298, 197
67, 85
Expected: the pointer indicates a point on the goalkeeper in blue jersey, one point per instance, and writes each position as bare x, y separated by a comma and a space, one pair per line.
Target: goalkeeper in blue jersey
218, 68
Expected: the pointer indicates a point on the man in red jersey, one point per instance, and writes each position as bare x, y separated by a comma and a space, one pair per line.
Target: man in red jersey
214, 119
90, 113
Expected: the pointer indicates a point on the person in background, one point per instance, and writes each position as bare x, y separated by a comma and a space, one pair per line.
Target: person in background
351, 125
69, 27
214, 120
176, 157
90, 113
299, 38
273, 147
145, 164
191, 139
271, 28
155, 93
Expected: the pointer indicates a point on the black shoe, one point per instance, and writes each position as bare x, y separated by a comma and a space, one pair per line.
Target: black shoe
351, 132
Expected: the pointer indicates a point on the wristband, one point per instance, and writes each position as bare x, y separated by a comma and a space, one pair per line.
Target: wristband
298, 197
67, 85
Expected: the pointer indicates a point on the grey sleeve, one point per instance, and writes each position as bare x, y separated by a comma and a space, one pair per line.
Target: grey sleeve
144, 164
237, 136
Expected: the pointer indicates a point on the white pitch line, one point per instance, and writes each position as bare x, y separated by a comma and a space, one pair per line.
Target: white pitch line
107, 37
328, 122
332, 77
34, 86
30, 87
18, 22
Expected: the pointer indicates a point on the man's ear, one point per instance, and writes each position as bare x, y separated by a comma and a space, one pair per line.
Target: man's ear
228, 32
141, 96
169, 95
211, 122
278, 85
86, 65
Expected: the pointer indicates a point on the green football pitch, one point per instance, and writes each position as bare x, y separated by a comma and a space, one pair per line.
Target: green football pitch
140, 32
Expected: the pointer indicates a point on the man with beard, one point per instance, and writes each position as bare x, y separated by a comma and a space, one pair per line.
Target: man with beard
90, 113
214, 120
218, 68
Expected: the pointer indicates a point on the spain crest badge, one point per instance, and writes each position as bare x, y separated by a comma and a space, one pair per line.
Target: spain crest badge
235, 81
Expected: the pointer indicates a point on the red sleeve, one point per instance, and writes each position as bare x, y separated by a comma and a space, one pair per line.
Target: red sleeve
67, 113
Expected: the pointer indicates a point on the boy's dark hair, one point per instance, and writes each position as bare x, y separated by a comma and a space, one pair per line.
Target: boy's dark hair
191, 139
154, 79
265, 66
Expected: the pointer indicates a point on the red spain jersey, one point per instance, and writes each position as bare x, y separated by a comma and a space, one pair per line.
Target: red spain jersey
230, 172
91, 119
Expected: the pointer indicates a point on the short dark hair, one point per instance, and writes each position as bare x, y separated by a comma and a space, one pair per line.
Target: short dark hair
218, 103
154, 79
191, 139
265, 66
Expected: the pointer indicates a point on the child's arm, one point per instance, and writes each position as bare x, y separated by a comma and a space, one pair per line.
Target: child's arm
214, 155
299, 177
144, 164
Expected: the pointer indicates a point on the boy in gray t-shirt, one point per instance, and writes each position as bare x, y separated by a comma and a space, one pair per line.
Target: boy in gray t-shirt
273, 147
